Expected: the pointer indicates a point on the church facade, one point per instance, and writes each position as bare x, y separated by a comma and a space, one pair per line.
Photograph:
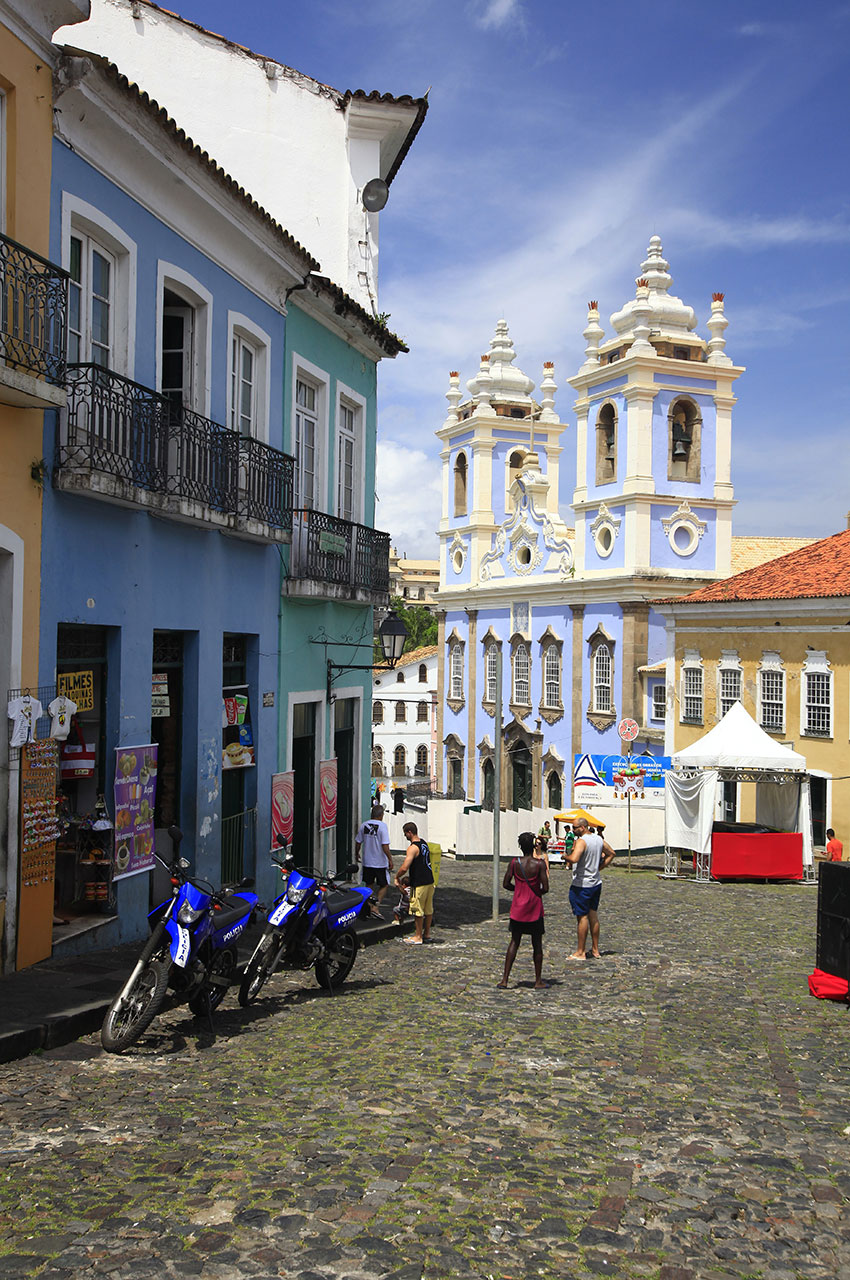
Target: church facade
565, 611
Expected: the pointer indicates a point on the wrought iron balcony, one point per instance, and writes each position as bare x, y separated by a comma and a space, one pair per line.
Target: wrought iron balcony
122, 441
336, 559
33, 306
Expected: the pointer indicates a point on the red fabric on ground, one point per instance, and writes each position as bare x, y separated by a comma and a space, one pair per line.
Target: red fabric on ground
825, 986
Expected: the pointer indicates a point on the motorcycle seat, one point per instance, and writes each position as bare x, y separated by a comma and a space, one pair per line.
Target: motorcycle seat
343, 900
224, 919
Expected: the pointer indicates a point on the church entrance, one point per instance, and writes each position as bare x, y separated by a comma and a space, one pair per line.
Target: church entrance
521, 777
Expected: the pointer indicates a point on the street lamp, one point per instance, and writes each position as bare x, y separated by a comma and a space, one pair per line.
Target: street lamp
392, 634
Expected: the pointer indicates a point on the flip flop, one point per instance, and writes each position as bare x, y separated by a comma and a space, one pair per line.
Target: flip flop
501, 986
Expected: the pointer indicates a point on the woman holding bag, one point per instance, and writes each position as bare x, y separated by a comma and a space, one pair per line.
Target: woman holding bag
529, 878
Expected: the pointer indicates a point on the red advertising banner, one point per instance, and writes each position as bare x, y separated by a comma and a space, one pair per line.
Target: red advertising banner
327, 793
283, 793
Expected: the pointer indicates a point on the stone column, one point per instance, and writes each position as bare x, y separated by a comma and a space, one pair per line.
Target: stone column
441, 696
472, 704
635, 654
577, 610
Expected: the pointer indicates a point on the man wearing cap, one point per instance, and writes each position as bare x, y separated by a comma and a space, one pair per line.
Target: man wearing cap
588, 858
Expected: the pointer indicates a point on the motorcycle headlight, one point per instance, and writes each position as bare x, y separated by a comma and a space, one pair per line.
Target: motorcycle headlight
188, 915
294, 895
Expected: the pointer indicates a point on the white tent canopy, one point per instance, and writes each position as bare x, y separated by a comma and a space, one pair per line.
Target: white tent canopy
738, 743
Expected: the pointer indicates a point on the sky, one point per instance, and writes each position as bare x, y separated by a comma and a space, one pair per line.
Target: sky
559, 138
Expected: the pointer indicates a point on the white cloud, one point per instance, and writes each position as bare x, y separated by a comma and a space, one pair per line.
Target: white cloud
756, 232
409, 491
498, 13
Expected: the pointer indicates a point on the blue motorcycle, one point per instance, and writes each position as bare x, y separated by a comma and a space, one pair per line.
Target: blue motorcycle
192, 950
311, 925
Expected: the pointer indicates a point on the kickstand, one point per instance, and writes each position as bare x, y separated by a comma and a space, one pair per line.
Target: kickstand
210, 1014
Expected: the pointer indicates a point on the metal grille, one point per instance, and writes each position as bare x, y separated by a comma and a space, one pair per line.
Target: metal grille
773, 700
377, 713
602, 679
421, 712
818, 700
692, 695
33, 307
328, 549
81, 643
238, 845
730, 689
167, 648
119, 427
45, 693
400, 713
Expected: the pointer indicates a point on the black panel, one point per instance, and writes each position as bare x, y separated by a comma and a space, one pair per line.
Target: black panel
833, 954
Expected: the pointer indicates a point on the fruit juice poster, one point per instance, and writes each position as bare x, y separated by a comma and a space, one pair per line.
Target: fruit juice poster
237, 748
327, 793
283, 811
135, 796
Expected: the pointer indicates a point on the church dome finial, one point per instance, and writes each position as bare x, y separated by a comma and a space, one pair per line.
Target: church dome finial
668, 315
506, 383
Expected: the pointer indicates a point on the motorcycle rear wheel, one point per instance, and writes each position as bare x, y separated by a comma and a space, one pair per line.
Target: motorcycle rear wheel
339, 959
126, 1021
209, 997
258, 970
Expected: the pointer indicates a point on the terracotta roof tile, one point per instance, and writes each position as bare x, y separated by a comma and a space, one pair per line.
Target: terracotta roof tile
417, 655
749, 552
818, 570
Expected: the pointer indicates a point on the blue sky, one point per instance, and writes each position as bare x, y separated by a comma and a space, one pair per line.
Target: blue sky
559, 138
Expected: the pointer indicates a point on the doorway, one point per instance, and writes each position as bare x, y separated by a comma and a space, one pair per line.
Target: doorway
818, 793
521, 777
304, 768
729, 801
344, 721
166, 727
488, 778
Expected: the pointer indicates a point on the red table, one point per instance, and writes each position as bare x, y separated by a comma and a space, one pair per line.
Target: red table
772, 855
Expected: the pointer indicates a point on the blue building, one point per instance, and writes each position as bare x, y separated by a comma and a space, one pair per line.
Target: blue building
568, 607
211, 420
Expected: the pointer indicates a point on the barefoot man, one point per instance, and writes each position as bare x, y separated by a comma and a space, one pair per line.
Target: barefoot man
589, 856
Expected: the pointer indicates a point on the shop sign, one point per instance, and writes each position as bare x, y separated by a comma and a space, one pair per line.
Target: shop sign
160, 700
268, 699
332, 544
135, 797
237, 748
327, 793
78, 687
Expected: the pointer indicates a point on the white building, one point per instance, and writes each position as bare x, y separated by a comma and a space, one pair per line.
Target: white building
404, 719
264, 122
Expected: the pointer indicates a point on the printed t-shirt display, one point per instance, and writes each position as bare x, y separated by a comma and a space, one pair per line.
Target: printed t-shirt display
24, 712
60, 710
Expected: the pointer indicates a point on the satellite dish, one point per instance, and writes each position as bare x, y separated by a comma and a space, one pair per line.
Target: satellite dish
374, 195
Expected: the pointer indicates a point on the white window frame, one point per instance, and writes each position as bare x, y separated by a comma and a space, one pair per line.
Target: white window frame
771, 665
599, 683
304, 371
657, 714
691, 665
552, 653
522, 680
729, 673
242, 330
348, 398
816, 664
456, 671
170, 276
79, 218
491, 667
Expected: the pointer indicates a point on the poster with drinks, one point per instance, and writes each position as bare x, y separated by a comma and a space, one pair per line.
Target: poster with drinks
283, 797
237, 748
327, 793
135, 797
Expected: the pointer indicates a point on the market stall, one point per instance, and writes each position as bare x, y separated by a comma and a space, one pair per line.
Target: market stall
778, 845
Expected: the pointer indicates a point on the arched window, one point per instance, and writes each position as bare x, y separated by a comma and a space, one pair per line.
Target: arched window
491, 668
423, 673
522, 676
460, 485
606, 445
399, 678
684, 440
456, 672
399, 761
377, 713
400, 716
515, 464
422, 760
488, 778
554, 791
377, 762
602, 699
421, 712
552, 676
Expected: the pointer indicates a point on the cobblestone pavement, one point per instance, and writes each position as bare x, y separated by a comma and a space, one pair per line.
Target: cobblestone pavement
677, 1109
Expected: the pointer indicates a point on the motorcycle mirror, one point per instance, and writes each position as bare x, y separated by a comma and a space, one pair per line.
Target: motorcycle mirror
352, 868
246, 882
182, 863
176, 836
280, 841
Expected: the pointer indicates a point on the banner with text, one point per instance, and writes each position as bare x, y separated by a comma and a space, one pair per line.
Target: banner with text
610, 779
135, 796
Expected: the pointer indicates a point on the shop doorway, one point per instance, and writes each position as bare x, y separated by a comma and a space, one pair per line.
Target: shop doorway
345, 710
167, 729
818, 793
521, 777
304, 768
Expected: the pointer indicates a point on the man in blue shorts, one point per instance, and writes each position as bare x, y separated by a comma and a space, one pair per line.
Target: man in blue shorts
589, 856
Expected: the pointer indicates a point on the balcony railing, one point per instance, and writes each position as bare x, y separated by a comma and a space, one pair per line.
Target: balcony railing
33, 306
126, 431
326, 549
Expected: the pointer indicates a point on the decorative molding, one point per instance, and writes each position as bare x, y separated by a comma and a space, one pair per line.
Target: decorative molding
605, 530
551, 714
602, 720
686, 520
518, 531
457, 553
553, 761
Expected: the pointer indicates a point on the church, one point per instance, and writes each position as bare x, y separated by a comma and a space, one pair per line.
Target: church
572, 609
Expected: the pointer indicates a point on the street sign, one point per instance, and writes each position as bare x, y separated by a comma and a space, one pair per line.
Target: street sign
628, 730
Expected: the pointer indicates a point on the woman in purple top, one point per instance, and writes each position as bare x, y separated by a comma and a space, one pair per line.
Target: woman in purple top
529, 878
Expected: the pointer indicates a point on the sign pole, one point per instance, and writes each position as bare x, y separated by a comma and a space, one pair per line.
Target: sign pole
497, 782
628, 730
629, 815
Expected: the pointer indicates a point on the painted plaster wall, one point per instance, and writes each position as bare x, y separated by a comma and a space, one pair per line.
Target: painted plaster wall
593, 561
704, 555
610, 617
704, 487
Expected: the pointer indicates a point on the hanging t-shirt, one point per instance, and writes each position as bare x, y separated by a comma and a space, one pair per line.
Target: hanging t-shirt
60, 710
24, 712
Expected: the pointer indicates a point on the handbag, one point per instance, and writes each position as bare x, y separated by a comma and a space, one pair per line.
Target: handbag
76, 758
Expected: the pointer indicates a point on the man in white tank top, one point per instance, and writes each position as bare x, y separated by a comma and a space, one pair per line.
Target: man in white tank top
589, 856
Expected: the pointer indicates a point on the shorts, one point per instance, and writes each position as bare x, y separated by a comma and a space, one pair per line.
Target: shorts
534, 929
584, 900
376, 875
422, 900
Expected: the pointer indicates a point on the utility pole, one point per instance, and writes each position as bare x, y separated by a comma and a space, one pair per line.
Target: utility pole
497, 783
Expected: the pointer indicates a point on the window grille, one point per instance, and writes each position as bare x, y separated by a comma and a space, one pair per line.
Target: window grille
377, 713
552, 678
400, 759
692, 695
730, 689
772, 700
422, 759
522, 677
421, 711
602, 679
492, 663
456, 679
423, 673
400, 716
818, 700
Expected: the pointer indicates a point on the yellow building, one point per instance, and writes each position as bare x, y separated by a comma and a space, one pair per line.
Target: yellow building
777, 638
32, 345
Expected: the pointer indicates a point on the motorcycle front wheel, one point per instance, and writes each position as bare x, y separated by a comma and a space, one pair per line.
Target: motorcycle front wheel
258, 970
340, 953
209, 997
135, 1007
